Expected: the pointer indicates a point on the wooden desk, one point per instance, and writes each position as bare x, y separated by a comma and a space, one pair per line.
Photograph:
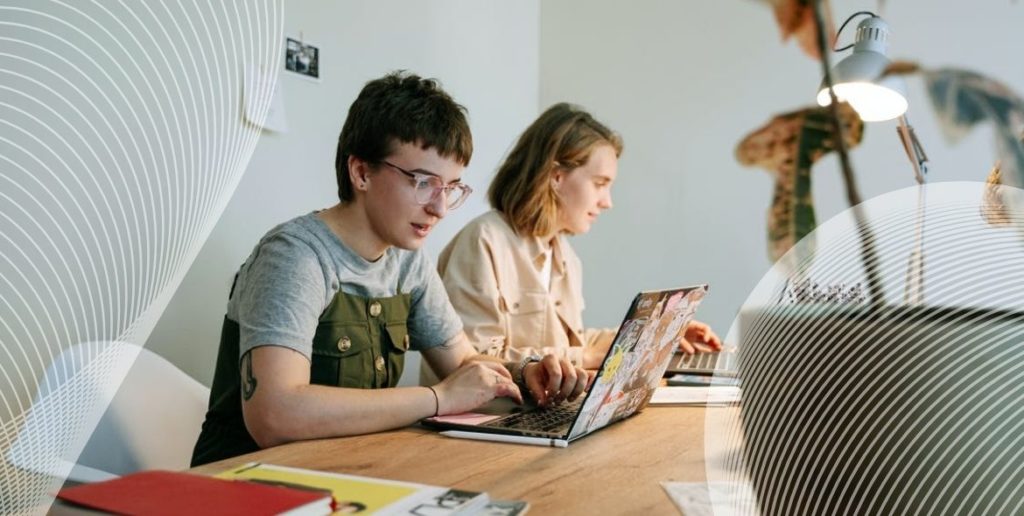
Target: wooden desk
616, 470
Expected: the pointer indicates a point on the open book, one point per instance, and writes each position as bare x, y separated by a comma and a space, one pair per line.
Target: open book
364, 495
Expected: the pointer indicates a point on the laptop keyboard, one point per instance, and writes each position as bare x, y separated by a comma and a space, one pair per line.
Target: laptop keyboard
551, 419
718, 362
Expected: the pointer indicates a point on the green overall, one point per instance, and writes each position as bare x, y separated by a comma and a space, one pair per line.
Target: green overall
359, 343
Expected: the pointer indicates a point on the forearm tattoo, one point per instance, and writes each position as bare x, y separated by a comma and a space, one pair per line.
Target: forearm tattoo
248, 379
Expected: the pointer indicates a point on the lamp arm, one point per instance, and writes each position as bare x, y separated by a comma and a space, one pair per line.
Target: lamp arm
913, 290
912, 146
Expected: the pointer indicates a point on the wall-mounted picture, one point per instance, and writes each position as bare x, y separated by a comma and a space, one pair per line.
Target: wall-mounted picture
302, 58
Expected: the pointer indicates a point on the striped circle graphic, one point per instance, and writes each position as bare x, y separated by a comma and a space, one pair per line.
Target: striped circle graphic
913, 404
121, 141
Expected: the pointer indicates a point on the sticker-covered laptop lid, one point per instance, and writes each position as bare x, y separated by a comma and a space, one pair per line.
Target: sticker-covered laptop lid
641, 351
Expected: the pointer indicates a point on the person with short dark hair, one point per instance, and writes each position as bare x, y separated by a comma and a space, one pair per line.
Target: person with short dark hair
323, 312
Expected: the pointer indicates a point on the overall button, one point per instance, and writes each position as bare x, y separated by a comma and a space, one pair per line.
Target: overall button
344, 343
374, 309
379, 363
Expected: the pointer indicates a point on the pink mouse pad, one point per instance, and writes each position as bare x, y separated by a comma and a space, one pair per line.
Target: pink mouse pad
466, 418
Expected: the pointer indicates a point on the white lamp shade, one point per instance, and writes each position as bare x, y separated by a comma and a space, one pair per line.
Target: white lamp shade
874, 101
859, 80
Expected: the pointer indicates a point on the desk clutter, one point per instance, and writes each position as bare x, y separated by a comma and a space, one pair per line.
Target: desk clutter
265, 489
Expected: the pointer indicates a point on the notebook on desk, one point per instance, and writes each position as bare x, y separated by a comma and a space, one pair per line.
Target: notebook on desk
629, 374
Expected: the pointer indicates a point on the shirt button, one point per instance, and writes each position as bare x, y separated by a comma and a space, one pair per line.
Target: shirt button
374, 309
515, 305
379, 363
344, 344
558, 303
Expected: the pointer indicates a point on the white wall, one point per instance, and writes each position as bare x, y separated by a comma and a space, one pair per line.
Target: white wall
682, 81
685, 81
486, 56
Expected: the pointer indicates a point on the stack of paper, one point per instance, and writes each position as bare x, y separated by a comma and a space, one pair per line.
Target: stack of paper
713, 395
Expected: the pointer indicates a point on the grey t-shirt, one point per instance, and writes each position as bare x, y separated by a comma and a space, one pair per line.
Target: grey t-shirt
296, 270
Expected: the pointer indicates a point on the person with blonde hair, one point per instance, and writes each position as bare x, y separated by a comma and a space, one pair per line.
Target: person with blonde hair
511, 274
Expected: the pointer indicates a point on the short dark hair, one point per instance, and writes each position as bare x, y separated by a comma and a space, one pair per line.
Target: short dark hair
405, 108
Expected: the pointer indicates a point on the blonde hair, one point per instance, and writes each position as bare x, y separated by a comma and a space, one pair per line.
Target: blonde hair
563, 137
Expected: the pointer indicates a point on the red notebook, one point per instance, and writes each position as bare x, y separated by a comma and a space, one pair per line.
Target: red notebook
165, 492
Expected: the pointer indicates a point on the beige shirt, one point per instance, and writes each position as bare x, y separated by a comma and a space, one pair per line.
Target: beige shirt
495, 281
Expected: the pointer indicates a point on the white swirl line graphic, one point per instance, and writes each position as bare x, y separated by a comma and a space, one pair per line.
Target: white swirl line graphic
121, 141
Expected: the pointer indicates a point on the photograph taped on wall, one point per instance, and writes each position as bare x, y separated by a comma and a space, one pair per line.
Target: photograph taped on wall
302, 58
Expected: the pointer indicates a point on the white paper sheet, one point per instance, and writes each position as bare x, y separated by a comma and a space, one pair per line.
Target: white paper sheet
712, 499
713, 395
256, 84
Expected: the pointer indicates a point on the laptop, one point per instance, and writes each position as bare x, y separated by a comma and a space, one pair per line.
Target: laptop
719, 363
631, 371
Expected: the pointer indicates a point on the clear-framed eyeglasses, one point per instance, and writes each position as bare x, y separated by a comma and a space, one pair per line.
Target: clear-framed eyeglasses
427, 187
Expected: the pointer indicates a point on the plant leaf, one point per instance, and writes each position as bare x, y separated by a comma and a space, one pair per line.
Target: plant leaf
789, 145
963, 99
796, 19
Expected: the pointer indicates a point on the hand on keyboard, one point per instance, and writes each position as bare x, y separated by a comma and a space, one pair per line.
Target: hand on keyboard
698, 333
554, 380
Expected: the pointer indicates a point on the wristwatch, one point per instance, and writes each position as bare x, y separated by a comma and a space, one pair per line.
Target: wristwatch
517, 371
